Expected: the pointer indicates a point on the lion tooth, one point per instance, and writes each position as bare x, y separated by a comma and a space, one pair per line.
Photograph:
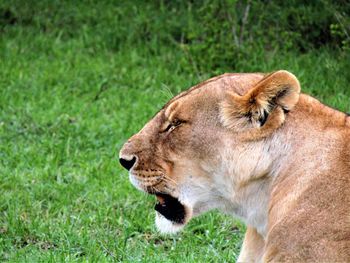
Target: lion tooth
160, 199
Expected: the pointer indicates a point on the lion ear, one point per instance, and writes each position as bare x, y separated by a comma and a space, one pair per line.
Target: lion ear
268, 101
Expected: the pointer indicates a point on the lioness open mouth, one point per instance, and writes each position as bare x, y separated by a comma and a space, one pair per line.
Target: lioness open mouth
171, 208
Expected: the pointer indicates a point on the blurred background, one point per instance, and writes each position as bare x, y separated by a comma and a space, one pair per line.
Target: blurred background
77, 78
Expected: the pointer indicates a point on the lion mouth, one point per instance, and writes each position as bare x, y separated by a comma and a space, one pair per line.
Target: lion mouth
170, 207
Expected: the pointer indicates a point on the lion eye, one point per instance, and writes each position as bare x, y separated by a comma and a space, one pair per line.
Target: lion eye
168, 127
172, 126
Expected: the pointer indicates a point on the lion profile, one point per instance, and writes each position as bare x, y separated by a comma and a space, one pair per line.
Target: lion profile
253, 146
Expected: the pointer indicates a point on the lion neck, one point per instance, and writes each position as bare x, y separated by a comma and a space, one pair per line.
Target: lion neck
245, 178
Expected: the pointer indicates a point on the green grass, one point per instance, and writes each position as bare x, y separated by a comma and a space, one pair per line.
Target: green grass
71, 93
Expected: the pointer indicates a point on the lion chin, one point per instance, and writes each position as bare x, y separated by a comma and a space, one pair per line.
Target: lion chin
166, 226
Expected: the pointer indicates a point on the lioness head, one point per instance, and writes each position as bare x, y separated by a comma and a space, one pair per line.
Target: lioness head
206, 144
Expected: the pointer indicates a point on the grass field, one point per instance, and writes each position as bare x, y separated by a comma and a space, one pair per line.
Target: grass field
71, 93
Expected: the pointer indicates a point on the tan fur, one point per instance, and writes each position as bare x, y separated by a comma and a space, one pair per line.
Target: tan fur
252, 146
252, 247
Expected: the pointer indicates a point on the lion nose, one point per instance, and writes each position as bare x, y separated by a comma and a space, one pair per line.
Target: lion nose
127, 164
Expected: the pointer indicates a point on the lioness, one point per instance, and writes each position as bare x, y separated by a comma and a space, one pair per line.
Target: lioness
252, 146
